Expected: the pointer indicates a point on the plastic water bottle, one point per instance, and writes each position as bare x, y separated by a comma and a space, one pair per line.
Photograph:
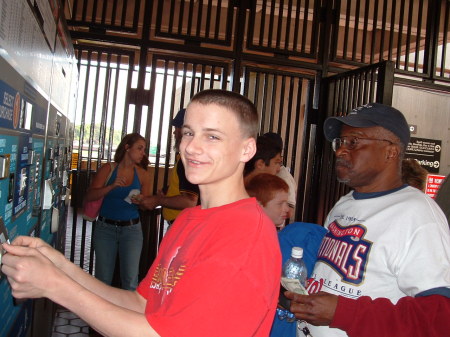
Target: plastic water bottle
295, 274
294, 278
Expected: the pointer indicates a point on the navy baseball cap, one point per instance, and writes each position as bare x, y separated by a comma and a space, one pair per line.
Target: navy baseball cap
179, 119
370, 115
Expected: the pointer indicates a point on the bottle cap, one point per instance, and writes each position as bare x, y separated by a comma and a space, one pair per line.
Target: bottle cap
297, 252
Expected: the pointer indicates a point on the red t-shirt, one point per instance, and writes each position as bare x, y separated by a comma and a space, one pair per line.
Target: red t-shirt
217, 274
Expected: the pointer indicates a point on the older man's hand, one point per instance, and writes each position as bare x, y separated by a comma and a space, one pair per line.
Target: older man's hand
317, 309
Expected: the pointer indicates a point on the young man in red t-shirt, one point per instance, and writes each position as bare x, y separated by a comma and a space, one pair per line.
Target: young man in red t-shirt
218, 269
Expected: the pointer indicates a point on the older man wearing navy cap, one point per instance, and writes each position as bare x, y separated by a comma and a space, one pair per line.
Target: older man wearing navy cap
180, 193
385, 239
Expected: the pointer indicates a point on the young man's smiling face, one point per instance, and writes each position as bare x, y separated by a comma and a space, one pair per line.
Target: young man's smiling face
213, 148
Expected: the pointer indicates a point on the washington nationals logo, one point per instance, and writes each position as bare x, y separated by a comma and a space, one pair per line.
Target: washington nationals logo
345, 250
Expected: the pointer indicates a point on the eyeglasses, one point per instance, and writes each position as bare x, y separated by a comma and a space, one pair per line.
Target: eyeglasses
351, 142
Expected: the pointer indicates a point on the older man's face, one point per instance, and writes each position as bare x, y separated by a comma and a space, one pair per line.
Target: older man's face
362, 166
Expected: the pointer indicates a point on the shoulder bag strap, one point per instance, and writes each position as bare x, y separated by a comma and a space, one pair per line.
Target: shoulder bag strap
113, 166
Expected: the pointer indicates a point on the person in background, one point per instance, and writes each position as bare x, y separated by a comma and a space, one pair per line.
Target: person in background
413, 174
117, 230
285, 174
292, 196
272, 193
180, 193
266, 160
217, 272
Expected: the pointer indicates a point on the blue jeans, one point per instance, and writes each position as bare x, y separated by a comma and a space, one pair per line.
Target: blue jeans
110, 239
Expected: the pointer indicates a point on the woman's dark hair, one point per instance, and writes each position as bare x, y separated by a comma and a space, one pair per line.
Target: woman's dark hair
129, 140
413, 174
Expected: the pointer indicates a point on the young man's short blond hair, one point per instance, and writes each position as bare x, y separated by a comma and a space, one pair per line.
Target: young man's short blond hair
241, 106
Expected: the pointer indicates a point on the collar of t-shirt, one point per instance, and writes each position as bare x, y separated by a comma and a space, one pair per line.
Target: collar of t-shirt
361, 196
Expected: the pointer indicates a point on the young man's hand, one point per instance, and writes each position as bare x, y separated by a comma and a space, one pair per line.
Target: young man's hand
317, 309
30, 273
52, 254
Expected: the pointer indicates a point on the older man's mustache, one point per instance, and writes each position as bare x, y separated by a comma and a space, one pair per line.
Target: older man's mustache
343, 162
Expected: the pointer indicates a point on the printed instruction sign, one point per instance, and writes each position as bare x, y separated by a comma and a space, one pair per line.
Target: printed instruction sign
426, 151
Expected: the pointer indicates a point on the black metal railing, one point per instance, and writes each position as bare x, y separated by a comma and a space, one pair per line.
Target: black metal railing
284, 27
99, 16
208, 21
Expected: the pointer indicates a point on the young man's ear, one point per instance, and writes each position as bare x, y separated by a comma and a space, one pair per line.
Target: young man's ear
249, 150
